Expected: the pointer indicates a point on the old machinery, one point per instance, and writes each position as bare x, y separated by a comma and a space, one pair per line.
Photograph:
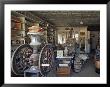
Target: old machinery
20, 59
31, 55
46, 59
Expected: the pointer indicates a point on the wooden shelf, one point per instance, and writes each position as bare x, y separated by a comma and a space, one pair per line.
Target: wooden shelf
27, 17
13, 20
16, 44
15, 29
18, 38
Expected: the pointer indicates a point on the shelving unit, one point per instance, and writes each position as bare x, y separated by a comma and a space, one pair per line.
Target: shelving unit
51, 35
20, 21
17, 31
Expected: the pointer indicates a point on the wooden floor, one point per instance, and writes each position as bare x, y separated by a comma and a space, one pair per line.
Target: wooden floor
88, 70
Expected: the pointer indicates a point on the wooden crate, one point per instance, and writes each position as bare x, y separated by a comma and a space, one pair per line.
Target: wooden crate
63, 71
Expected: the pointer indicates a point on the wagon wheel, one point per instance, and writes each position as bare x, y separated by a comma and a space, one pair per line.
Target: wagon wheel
46, 59
20, 59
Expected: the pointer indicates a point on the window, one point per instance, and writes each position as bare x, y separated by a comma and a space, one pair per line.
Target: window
61, 39
76, 36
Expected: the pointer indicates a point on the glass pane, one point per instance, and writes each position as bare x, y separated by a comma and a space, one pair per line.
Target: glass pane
59, 39
76, 36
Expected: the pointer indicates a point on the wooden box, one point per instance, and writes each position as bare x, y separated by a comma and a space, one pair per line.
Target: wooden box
63, 71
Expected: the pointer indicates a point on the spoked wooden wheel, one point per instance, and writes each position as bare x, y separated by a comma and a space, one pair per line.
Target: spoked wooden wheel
20, 59
46, 59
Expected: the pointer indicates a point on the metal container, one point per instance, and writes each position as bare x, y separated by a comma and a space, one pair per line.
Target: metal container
77, 66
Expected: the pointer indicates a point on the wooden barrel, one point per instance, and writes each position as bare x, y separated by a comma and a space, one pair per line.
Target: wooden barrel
97, 64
